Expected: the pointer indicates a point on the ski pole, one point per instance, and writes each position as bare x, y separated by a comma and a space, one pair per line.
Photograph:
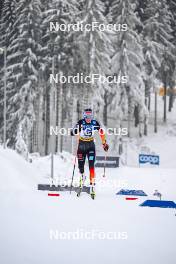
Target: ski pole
104, 174
71, 186
73, 175
52, 168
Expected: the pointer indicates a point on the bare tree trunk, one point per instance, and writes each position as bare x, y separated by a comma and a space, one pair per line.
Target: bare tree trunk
78, 110
136, 115
165, 102
155, 119
61, 117
140, 129
60, 114
57, 115
43, 115
129, 116
105, 110
149, 102
170, 101
74, 120
53, 107
47, 119
145, 119
145, 126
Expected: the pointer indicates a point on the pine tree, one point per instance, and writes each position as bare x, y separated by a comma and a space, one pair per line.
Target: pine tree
57, 50
172, 8
128, 61
1, 6
165, 37
23, 68
7, 19
157, 39
95, 50
151, 50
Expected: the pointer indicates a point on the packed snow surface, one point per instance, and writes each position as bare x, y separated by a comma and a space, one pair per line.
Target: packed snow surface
36, 228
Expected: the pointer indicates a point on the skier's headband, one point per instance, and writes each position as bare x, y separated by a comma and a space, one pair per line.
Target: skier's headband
87, 115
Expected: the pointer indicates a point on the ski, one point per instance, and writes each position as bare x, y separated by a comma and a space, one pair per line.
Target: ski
92, 192
79, 191
81, 185
93, 196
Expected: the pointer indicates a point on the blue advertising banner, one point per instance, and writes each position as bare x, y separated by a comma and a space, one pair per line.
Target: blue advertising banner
152, 159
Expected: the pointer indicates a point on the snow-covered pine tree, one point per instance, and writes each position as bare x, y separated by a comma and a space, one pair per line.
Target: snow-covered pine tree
95, 49
20, 144
1, 6
128, 61
151, 49
7, 19
165, 38
23, 68
172, 8
57, 59
156, 37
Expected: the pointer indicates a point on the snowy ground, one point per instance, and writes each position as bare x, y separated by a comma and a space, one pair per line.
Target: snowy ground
143, 235
37, 229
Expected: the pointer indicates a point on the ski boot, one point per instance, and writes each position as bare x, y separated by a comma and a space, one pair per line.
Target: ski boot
92, 191
81, 183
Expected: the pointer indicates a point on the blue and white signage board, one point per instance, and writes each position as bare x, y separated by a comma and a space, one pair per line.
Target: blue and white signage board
151, 159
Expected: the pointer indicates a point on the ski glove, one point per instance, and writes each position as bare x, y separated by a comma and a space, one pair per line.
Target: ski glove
105, 146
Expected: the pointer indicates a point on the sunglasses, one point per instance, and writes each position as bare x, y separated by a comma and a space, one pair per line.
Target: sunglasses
88, 115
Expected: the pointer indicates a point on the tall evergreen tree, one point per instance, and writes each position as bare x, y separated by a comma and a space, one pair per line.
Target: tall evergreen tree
57, 58
128, 60
23, 68
95, 49
7, 19
172, 8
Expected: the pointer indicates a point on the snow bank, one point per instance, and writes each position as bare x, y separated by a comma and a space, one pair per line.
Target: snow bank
15, 172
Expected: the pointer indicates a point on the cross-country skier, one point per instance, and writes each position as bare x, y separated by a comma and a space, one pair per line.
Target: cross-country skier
85, 128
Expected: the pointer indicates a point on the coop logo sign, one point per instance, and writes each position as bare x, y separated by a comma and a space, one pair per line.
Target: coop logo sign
152, 159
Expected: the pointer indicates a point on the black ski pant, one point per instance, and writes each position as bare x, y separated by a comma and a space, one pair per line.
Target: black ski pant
87, 148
